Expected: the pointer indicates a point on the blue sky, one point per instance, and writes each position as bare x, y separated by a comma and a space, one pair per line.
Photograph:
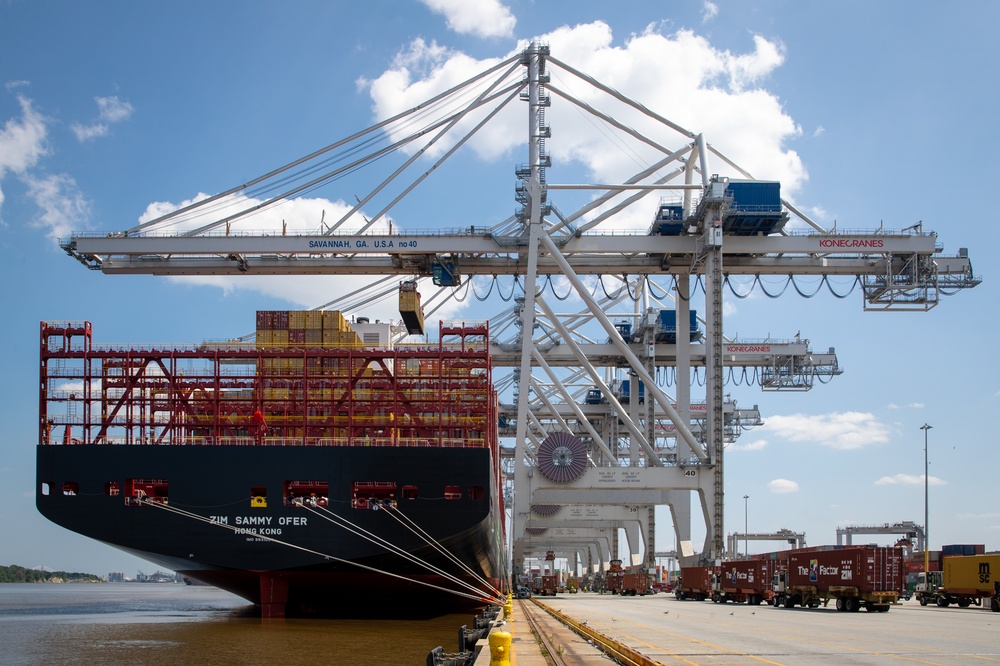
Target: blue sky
869, 114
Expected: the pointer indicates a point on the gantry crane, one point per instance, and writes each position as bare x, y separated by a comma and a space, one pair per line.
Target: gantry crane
906, 529
795, 539
704, 235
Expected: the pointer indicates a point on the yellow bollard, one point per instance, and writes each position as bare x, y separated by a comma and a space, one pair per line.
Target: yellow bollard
508, 609
500, 648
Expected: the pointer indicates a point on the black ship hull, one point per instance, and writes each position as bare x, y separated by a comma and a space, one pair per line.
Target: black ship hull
296, 528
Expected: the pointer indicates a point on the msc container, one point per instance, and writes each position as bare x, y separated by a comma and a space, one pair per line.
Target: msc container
971, 574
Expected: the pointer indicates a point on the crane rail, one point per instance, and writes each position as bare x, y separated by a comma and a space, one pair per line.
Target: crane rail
617, 651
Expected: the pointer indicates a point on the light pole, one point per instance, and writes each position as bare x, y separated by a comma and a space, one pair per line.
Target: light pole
746, 529
927, 538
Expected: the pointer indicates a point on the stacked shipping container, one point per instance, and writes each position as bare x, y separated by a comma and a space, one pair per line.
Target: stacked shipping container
308, 380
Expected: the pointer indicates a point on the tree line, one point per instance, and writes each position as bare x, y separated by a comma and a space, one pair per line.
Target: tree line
19, 574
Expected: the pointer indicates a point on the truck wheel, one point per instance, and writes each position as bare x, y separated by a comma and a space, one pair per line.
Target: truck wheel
851, 605
777, 601
964, 602
789, 602
995, 604
923, 601
840, 604
942, 602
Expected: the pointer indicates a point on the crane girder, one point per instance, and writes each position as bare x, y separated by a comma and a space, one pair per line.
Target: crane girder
894, 260
749, 354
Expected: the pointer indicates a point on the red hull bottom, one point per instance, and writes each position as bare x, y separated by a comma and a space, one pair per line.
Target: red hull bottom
312, 593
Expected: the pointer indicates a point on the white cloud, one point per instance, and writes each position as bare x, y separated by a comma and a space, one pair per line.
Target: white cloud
783, 486
838, 430
62, 207
482, 18
22, 142
748, 68
110, 110
909, 480
707, 91
912, 405
755, 445
709, 10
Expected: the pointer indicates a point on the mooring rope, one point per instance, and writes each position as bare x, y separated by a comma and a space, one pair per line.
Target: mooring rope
242, 530
407, 522
328, 515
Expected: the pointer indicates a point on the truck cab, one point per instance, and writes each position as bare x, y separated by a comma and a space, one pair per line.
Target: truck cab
928, 593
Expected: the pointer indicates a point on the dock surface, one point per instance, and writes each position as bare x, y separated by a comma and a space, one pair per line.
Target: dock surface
667, 631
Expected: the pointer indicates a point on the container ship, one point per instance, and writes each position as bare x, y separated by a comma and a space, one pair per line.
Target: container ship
317, 469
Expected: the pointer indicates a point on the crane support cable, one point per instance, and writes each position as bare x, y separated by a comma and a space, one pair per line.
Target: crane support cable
194, 516
621, 98
331, 175
515, 89
321, 151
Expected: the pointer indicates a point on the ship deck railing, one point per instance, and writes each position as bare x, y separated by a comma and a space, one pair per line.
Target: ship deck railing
447, 442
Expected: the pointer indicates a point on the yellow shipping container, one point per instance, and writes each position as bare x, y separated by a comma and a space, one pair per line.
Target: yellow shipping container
973, 575
314, 319
333, 320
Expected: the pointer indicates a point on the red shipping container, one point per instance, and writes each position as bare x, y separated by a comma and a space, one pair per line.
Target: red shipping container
745, 576
867, 569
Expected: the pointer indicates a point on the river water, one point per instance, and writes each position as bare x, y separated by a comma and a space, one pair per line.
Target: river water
171, 624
